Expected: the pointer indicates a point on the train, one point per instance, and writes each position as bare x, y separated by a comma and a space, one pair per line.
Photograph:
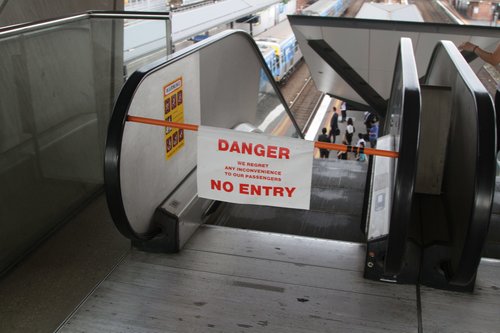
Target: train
279, 46
270, 60
280, 50
327, 8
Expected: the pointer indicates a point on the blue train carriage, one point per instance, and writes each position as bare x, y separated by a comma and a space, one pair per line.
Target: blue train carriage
281, 39
327, 8
270, 59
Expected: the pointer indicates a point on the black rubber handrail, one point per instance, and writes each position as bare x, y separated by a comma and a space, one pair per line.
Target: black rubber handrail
408, 104
466, 255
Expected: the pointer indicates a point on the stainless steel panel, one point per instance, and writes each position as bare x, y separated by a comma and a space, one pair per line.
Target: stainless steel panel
240, 280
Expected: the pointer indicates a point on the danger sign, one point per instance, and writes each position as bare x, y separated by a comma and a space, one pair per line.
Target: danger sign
255, 169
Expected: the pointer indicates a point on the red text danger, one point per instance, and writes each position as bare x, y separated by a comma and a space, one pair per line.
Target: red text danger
254, 149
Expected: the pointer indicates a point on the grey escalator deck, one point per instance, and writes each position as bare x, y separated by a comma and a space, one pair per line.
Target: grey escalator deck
336, 206
233, 280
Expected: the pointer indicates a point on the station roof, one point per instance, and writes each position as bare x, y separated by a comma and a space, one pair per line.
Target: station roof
392, 12
186, 24
354, 59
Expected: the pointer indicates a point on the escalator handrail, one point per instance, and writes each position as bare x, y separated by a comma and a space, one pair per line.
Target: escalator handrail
118, 119
406, 164
485, 166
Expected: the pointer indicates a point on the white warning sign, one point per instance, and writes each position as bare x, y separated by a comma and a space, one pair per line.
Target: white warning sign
255, 169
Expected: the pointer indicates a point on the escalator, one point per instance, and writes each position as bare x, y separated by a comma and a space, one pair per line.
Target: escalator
153, 199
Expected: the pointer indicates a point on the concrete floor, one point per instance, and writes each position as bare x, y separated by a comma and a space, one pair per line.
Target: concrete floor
45, 288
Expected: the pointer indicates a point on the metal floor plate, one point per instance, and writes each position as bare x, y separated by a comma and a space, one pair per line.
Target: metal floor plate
232, 280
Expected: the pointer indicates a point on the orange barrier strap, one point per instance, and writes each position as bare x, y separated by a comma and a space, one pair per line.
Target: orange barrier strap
317, 144
367, 151
165, 123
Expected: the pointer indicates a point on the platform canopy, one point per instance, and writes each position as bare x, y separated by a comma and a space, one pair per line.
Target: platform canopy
186, 24
354, 59
393, 12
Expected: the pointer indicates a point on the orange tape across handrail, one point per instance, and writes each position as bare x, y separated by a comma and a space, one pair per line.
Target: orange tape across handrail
164, 123
367, 151
317, 144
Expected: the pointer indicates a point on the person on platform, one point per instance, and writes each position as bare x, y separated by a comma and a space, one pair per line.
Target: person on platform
493, 58
334, 125
349, 131
323, 137
373, 135
368, 121
342, 155
361, 156
343, 111
361, 141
